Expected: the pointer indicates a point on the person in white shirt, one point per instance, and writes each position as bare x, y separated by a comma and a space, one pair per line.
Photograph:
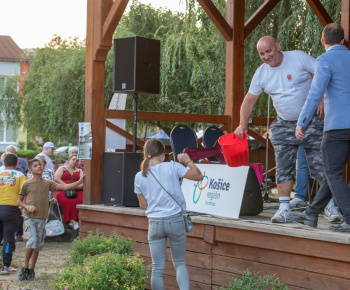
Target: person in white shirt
286, 77
48, 149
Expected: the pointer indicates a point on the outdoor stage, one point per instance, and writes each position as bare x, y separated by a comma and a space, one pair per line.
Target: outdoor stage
302, 257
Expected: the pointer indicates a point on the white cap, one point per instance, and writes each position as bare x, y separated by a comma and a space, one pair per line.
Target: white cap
49, 145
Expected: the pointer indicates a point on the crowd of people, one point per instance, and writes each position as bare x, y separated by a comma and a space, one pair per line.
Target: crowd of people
26, 191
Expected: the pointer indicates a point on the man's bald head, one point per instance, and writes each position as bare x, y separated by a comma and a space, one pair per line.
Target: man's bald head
268, 39
269, 51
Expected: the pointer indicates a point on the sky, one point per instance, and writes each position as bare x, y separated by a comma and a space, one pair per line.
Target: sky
32, 23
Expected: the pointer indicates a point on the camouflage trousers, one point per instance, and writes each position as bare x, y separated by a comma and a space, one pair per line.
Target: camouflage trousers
286, 146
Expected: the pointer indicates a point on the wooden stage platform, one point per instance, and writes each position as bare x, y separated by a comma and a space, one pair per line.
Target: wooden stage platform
300, 256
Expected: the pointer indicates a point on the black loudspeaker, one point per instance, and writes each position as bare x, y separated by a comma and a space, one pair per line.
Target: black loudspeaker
119, 170
252, 203
136, 65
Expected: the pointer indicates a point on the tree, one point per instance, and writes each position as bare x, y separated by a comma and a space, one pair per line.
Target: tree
192, 63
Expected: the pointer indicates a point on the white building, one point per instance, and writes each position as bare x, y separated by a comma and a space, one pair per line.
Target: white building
13, 63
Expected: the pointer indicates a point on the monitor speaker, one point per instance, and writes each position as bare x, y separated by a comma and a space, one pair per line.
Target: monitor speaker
136, 65
252, 203
119, 170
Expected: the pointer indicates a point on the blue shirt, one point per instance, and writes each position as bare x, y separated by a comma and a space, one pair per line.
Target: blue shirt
331, 80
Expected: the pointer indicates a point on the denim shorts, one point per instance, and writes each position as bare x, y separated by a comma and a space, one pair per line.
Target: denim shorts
35, 230
286, 146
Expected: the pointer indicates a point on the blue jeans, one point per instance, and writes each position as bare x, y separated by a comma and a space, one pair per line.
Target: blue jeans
159, 229
302, 175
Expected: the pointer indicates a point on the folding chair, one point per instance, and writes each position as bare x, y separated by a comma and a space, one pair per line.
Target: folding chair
182, 137
211, 135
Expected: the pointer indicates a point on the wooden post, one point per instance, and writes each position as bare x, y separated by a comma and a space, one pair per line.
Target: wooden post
235, 61
345, 23
97, 11
345, 19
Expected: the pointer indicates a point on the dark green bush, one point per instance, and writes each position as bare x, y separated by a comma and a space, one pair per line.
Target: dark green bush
96, 244
106, 271
31, 144
251, 281
29, 154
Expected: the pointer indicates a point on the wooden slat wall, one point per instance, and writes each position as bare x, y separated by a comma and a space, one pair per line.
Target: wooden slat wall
216, 253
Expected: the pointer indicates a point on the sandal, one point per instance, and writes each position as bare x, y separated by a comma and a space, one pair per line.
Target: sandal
70, 224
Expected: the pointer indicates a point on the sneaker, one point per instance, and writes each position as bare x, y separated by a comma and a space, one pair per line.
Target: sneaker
306, 219
7, 270
76, 226
281, 216
331, 212
23, 274
297, 203
31, 274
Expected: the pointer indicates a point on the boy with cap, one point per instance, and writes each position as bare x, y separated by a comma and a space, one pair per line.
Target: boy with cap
34, 199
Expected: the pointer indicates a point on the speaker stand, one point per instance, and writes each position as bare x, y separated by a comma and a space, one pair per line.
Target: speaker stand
135, 122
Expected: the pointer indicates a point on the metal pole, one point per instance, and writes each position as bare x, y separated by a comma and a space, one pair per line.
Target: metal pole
266, 196
135, 122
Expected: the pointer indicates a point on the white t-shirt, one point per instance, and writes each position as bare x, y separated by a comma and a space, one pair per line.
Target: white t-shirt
288, 84
160, 204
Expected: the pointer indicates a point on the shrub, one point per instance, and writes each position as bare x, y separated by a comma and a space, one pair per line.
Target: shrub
96, 244
29, 154
21, 145
251, 281
31, 144
106, 271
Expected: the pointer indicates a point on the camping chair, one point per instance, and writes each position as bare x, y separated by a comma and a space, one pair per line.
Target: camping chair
182, 137
211, 135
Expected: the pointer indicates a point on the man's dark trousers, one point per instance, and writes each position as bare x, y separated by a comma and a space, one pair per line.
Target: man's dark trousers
335, 150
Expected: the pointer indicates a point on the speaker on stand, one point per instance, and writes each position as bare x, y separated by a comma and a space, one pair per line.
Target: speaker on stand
136, 69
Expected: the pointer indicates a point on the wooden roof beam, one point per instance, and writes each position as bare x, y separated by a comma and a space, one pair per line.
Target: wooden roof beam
258, 16
112, 20
124, 133
218, 20
320, 11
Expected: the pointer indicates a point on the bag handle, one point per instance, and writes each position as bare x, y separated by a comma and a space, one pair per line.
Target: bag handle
71, 177
59, 212
167, 191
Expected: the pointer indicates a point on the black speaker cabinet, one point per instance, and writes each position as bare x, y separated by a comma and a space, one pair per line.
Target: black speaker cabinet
136, 65
119, 170
252, 203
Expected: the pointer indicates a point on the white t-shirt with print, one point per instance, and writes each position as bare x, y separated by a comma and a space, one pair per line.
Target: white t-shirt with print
288, 84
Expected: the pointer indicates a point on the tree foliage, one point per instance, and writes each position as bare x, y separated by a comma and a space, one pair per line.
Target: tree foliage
193, 55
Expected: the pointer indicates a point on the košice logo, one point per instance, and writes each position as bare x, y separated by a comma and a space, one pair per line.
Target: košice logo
200, 187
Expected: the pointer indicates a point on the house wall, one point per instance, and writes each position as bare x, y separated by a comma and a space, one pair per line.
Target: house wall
12, 69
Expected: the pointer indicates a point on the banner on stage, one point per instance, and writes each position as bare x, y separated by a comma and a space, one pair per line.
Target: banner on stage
220, 192
113, 139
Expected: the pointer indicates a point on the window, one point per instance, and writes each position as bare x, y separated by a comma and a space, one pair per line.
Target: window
7, 135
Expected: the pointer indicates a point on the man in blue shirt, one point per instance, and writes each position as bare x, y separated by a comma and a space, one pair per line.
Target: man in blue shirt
332, 75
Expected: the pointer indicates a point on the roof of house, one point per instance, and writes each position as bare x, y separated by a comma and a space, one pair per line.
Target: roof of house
9, 49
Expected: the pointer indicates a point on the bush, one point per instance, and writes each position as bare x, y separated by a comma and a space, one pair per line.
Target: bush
31, 144
106, 271
251, 281
61, 158
96, 244
29, 154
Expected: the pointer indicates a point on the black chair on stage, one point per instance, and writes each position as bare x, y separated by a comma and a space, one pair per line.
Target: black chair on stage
211, 136
182, 137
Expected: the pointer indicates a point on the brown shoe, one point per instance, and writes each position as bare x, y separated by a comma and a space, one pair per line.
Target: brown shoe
19, 238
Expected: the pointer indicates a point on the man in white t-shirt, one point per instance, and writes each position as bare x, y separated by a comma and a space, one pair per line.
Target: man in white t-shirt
48, 150
286, 77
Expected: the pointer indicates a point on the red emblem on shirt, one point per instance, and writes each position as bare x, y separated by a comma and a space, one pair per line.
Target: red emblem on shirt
289, 77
